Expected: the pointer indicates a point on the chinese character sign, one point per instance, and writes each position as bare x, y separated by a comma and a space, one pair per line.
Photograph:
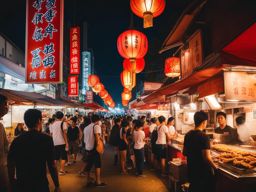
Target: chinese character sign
44, 32
240, 86
75, 50
86, 70
89, 97
73, 86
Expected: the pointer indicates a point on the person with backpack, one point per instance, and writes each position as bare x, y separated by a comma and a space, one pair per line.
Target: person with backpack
58, 131
163, 136
114, 137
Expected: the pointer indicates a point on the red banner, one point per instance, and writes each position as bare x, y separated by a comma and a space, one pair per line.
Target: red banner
75, 50
44, 42
73, 86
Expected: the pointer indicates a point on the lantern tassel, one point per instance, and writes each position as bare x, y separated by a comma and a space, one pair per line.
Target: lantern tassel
148, 19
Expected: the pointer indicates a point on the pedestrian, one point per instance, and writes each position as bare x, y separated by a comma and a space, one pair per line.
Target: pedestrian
139, 143
161, 143
29, 155
197, 150
3, 146
92, 134
58, 132
73, 134
19, 129
47, 125
114, 137
123, 145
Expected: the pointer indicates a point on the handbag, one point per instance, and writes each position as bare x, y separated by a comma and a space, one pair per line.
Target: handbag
99, 145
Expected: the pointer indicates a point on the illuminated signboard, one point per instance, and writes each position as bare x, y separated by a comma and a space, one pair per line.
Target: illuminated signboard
86, 70
73, 86
44, 42
75, 50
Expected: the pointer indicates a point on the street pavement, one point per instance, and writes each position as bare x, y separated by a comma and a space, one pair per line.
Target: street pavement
116, 182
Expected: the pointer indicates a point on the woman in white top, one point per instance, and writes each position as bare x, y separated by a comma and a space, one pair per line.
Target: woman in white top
161, 142
171, 129
139, 142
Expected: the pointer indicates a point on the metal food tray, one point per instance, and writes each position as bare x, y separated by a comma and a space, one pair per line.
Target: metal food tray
238, 170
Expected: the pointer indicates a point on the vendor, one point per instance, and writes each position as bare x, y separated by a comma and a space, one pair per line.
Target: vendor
226, 129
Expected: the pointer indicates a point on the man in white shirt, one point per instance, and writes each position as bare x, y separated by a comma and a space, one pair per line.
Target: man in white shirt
58, 132
92, 134
161, 147
171, 129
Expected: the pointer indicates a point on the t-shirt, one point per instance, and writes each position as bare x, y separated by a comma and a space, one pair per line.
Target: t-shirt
73, 133
30, 152
233, 136
161, 131
89, 137
194, 143
57, 133
139, 137
171, 131
152, 127
3, 146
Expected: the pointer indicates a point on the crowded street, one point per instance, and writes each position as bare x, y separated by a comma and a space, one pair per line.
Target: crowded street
128, 96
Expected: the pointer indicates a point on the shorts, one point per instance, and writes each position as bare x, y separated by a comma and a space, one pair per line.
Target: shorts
73, 147
92, 158
122, 146
60, 152
161, 151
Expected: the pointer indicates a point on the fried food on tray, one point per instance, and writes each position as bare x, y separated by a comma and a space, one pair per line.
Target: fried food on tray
235, 157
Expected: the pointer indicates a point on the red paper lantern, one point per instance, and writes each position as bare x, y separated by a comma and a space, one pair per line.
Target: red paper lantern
98, 87
126, 95
125, 102
172, 67
93, 80
147, 9
132, 44
128, 79
103, 94
136, 66
112, 105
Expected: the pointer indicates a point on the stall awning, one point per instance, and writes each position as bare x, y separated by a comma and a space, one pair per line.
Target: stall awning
243, 46
32, 98
93, 106
188, 82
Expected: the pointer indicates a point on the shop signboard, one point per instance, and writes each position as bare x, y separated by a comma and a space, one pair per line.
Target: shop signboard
73, 86
192, 56
89, 97
86, 70
75, 50
240, 86
44, 42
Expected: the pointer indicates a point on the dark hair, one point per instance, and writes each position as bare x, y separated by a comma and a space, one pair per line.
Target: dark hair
124, 123
32, 117
74, 119
143, 117
161, 119
221, 113
240, 120
117, 120
153, 120
95, 118
170, 119
3, 99
139, 123
87, 121
199, 117
129, 118
51, 120
59, 115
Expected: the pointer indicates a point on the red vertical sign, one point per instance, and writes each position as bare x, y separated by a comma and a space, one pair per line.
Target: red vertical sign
73, 86
44, 42
75, 50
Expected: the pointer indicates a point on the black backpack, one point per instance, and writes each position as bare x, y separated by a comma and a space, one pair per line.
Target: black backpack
154, 136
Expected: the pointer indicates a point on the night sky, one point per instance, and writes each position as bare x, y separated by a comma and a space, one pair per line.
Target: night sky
106, 20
